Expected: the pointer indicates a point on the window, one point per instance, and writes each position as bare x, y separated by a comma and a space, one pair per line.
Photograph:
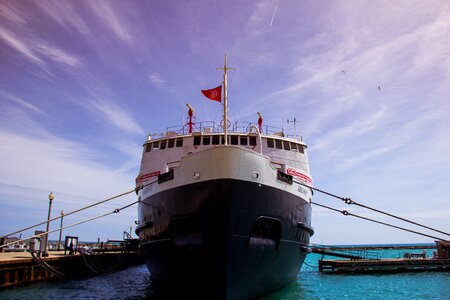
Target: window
155, 145
163, 144
170, 143
206, 140
244, 141
148, 147
300, 149
294, 146
270, 143
216, 140
234, 140
252, 140
278, 144
179, 143
286, 145
197, 140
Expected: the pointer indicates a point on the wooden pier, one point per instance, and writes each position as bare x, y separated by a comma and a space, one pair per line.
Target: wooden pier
384, 265
18, 268
411, 262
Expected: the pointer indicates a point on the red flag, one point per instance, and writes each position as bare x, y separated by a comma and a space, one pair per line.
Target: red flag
214, 94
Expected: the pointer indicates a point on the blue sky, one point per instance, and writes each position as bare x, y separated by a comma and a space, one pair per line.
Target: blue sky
83, 82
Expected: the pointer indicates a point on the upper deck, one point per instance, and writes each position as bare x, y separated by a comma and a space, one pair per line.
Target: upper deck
163, 152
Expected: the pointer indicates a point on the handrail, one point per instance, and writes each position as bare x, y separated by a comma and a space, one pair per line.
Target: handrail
215, 128
259, 136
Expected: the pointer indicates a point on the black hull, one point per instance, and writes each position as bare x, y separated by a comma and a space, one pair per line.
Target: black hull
227, 239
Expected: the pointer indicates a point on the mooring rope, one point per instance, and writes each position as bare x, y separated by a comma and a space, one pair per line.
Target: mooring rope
118, 261
47, 267
72, 212
96, 263
117, 210
81, 209
349, 201
96, 266
90, 265
346, 213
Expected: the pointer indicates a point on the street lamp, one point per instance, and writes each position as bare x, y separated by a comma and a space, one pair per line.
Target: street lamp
60, 228
50, 198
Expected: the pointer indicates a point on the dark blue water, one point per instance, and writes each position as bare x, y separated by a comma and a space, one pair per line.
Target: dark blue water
135, 283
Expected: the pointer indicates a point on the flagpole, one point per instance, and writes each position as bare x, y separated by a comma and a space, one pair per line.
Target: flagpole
225, 99
225, 108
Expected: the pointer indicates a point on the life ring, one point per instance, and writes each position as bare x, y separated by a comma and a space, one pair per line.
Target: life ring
228, 124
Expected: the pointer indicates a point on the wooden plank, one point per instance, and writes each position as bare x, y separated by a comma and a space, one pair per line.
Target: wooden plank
20, 268
384, 265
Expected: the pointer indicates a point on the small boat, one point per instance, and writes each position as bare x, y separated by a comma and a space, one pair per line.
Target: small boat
224, 210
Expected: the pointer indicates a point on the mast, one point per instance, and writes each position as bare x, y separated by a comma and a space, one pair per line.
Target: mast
225, 107
225, 96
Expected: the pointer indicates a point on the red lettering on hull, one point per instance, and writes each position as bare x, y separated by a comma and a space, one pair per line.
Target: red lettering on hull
303, 177
145, 177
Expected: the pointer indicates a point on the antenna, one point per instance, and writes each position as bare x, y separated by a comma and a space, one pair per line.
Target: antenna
292, 121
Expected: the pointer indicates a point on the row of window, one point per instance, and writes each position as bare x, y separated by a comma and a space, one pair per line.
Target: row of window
286, 145
164, 144
220, 140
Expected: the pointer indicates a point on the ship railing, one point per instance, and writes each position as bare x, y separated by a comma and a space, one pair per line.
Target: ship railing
265, 129
205, 126
295, 137
214, 127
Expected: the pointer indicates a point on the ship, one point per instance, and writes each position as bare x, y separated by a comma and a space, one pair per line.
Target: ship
224, 211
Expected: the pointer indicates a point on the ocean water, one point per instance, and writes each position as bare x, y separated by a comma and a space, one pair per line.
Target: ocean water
135, 283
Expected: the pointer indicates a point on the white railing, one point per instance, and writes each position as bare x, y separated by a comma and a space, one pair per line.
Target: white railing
214, 127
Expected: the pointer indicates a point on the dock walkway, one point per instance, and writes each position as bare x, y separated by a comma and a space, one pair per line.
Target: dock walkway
17, 268
394, 265
23, 256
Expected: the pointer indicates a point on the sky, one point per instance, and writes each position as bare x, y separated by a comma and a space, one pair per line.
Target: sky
83, 82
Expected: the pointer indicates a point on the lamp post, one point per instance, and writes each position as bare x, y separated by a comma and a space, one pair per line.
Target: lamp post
50, 199
60, 228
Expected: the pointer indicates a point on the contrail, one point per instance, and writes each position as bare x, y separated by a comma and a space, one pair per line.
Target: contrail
273, 16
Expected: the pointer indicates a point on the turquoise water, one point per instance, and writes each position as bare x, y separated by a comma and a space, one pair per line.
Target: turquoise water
312, 284
134, 283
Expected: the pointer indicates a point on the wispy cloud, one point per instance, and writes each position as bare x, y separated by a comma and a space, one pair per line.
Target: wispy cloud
131, 149
261, 19
66, 15
373, 51
52, 163
22, 46
372, 154
354, 123
58, 55
20, 102
110, 19
11, 13
38, 52
433, 52
156, 79
17, 117
359, 126
117, 116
